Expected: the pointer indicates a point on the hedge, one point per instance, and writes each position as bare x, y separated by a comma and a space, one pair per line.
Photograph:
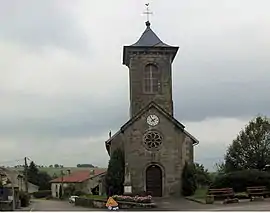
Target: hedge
42, 194
240, 180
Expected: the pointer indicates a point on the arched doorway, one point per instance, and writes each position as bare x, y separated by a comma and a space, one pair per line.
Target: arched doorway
154, 180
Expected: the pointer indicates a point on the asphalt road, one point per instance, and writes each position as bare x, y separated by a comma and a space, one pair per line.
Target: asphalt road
52, 205
248, 206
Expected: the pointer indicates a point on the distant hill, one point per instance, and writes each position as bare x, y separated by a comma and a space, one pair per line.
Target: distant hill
57, 171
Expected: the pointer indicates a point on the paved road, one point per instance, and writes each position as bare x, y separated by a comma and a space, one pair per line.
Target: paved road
52, 205
248, 206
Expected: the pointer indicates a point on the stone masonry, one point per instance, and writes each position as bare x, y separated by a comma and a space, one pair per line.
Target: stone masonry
154, 154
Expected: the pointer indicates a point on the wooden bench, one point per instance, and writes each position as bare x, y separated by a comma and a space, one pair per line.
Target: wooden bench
256, 191
226, 193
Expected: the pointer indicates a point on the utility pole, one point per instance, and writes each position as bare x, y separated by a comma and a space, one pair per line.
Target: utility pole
62, 180
26, 174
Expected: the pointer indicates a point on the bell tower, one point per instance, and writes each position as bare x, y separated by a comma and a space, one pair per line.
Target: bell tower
150, 71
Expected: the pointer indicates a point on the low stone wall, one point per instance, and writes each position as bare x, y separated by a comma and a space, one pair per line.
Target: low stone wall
99, 203
6, 206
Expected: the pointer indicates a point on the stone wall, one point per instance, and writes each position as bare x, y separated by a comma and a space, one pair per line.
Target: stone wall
138, 99
169, 157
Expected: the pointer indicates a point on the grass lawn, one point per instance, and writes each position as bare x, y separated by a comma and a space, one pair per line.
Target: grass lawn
199, 195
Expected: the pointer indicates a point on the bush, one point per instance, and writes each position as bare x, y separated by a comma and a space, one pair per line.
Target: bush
24, 198
79, 193
115, 175
42, 194
240, 180
189, 185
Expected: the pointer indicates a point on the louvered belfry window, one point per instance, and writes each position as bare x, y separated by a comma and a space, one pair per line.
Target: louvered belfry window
151, 79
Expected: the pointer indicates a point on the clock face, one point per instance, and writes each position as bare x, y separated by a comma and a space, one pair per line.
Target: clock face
152, 120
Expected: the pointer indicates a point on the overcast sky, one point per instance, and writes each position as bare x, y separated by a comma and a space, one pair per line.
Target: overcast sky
63, 85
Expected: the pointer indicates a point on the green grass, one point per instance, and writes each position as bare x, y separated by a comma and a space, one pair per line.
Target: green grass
200, 193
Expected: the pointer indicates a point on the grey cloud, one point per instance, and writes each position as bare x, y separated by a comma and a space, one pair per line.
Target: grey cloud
41, 23
222, 70
223, 100
58, 117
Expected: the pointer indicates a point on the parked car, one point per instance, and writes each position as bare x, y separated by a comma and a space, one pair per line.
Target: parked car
72, 199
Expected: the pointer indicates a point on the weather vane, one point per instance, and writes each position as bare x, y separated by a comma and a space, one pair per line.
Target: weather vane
147, 12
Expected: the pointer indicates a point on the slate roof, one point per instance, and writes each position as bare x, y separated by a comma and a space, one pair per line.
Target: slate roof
149, 39
79, 176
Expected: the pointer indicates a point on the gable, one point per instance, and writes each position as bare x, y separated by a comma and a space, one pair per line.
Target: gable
153, 105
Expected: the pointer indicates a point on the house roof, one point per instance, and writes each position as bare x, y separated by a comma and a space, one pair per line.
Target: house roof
142, 111
13, 174
79, 176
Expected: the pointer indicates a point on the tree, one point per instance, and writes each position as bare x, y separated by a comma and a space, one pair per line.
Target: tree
44, 181
116, 172
32, 173
202, 175
220, 168
251, 148
189, 185
41, 179
85, 166
54, 176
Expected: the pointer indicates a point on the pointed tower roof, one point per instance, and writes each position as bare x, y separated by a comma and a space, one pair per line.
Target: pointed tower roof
148, 42
149, 39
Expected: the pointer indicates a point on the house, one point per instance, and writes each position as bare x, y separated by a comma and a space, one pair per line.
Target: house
9, 176
85, 181
12, 182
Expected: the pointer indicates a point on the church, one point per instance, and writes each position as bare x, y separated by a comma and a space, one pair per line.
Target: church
155, 144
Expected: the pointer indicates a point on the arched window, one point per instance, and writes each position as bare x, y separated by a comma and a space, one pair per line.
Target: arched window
151, 79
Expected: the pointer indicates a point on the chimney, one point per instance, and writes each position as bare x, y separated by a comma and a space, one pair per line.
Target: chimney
92, 172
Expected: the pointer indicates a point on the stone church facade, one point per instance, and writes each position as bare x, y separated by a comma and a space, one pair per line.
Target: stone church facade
155, 144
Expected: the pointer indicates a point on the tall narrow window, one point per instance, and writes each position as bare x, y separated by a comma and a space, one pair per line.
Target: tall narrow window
151, 79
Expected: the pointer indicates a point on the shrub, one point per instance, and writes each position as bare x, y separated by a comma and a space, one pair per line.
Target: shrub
79, 193
42, 194
189, 185
24, 198
240, 180
115, 175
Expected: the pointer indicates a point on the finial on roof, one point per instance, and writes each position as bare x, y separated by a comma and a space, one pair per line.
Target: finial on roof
148, 24
147, 13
